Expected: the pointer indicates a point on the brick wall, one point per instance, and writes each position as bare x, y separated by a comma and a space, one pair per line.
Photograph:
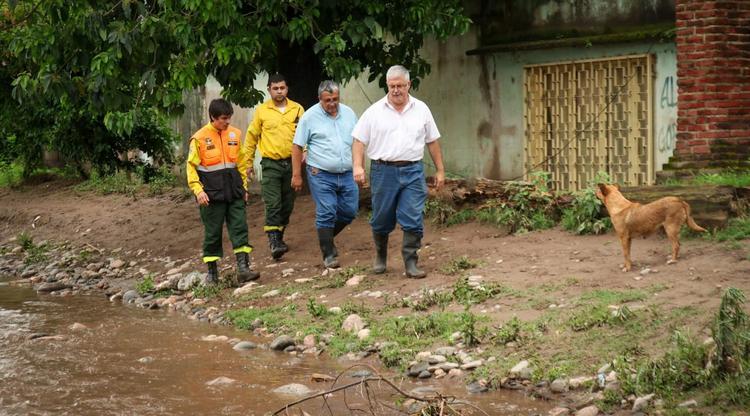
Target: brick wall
713, 72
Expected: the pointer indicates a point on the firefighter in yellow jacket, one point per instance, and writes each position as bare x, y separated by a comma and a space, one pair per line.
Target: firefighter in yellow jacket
216, 167
272, 132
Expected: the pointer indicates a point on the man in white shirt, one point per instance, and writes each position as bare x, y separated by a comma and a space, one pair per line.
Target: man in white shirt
394, 132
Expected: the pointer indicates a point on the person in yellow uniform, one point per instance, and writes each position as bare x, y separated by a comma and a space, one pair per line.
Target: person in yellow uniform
272, 132
216, 173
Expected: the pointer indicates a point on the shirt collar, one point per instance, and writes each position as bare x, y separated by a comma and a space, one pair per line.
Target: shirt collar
408, 105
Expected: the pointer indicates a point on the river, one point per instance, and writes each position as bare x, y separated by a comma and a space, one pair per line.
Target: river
130, 361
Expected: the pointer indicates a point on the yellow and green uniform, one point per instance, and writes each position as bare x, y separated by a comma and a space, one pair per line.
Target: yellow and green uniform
272, 133
217, 165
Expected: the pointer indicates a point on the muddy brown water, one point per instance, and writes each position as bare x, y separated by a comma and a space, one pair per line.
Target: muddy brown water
131, 361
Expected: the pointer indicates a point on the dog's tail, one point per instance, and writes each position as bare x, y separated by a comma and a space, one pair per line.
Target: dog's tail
690, 222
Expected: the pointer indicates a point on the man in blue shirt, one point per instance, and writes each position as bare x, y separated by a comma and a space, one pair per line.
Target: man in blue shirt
325, 131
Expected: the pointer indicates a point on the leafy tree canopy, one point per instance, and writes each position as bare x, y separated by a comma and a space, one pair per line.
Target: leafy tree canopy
79, 69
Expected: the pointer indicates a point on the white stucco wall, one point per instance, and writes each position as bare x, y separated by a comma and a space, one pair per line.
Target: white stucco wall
477, 101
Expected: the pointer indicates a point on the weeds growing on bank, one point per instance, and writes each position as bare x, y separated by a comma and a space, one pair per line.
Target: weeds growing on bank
154, 181
35, 253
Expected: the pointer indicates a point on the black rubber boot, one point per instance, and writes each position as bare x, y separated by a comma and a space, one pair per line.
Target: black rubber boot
338, 227
411, 244
381, 252
325, 238
274, 241
212, 277
244, 274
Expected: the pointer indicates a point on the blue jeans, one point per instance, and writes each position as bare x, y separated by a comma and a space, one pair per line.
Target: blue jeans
398, 195
336, 197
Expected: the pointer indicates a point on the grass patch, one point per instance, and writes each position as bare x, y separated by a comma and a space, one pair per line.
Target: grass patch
460, 264
210, 291
274, 318
35, 253
146, 285
11, 175
737, 229
147, 179
338, 279
730, 178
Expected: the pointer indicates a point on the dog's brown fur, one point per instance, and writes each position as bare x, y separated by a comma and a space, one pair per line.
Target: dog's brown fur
632, 219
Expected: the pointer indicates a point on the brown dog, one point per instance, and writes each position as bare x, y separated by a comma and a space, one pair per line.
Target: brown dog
633, 219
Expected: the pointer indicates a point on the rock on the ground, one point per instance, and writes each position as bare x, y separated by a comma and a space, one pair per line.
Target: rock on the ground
244, 290
641, 403
472, 365
353, 323
559, 411
559, 386
688, 403
271, 293
188, 281
169, 283
220, 381
78, 327
417, 368
588, 411
354, 280
519, 369
52, 287
130, 296
445, 351
116, 264
476, 387
363, 334
281, 342
244, 346
293, 389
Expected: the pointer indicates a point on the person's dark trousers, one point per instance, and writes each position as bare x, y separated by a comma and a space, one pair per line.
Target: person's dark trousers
213, 217
277, 192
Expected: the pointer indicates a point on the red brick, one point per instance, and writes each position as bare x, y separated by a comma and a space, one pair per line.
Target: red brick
702, 150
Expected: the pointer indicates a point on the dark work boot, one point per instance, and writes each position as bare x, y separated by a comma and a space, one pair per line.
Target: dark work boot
381, 252
411, 244
282, 243
244, 274
212, 277
325, 238
274, 241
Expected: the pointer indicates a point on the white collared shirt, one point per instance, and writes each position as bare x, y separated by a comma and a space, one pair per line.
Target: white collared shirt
392, 136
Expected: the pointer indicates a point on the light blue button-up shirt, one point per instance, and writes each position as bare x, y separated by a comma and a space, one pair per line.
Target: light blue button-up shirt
328, 139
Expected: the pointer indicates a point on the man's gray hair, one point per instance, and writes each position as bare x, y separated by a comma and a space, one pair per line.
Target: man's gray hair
328, 86
397, 71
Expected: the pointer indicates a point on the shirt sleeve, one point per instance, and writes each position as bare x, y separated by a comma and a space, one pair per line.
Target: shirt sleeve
432, 130
193, 160
362, 129
302, 133
242, 165
252, 136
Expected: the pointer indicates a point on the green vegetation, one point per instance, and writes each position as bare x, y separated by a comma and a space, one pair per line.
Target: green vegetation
145, 178
211, 291
91, 81
730, 178
35, 253
583, 214
458, 265
716, 367
737, 229
146, 285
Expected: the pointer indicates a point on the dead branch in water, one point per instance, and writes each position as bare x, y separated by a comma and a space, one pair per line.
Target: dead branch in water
436, 404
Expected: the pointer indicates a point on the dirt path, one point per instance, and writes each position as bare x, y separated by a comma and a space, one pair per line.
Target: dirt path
540, 272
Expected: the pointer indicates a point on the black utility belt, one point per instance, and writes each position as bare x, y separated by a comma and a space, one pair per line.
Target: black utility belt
288, 159
396, 162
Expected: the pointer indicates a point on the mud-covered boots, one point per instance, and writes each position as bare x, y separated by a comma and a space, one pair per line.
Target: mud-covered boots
411, 244
274, 241
327, 248
212, 277
381, 252
244, 274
